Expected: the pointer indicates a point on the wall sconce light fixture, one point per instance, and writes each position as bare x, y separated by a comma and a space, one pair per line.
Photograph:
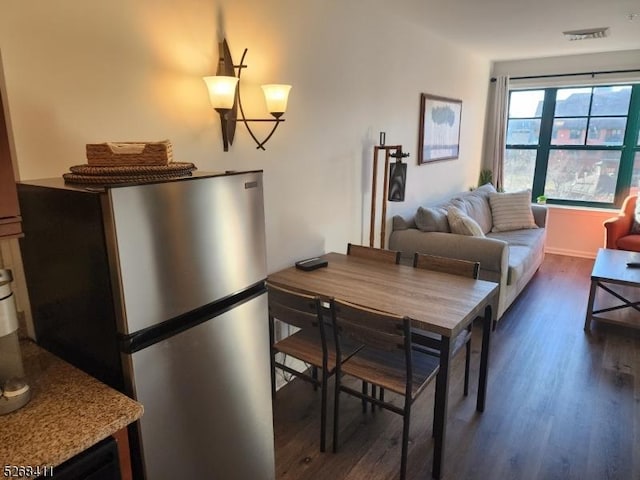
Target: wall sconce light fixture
224, 95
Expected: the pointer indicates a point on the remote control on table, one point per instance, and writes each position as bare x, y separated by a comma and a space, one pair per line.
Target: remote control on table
311, 264
633, 264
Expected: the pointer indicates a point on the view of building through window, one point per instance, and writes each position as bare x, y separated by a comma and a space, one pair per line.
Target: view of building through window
574, 145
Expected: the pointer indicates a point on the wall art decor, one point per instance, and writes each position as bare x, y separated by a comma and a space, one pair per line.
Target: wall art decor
439, 128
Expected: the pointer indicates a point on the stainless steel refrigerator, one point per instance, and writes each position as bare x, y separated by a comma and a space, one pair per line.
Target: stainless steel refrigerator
158, 290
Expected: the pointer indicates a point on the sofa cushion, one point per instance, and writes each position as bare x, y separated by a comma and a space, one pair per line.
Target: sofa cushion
521, 260
432, 219
511, 211
522, 244
476, 205
629, 242
462, 223
484, 191
525, 238
400, 223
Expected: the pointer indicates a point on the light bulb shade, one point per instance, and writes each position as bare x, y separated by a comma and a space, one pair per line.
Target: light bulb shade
222, 91
276, 97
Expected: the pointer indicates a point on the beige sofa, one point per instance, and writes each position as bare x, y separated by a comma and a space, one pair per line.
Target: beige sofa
510, 258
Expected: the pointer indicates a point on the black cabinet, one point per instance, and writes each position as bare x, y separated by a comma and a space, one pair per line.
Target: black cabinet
99, 462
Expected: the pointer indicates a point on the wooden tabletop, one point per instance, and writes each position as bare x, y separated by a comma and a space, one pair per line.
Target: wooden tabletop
438, 302
611, 266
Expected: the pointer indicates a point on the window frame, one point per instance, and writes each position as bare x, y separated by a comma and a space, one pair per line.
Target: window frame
628, 149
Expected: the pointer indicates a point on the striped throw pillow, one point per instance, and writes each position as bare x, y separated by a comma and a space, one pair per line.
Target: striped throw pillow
511, 211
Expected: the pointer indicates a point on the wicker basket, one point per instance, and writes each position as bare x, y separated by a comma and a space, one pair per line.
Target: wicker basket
111, 154
89, 174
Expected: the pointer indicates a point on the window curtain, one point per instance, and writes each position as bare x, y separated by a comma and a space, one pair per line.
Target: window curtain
498, 130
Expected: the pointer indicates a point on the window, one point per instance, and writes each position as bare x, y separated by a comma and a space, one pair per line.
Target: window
575, 145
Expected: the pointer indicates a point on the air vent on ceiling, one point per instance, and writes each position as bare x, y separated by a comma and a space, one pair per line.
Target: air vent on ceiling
599, 32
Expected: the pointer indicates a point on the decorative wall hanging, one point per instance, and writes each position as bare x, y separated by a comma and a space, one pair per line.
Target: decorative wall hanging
439, 128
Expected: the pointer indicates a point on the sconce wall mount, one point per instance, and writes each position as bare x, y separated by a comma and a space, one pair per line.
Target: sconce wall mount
224, 95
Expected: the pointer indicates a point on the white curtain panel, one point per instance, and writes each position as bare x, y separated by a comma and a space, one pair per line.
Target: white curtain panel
498, 130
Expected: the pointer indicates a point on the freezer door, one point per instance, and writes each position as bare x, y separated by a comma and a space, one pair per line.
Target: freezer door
179, 245
207, 399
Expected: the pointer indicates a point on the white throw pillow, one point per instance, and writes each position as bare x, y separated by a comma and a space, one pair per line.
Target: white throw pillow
511, 211
463, 224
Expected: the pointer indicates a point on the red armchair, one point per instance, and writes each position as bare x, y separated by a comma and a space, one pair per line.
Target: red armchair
617, 230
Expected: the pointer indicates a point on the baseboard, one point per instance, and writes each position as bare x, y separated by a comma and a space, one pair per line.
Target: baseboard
570, 253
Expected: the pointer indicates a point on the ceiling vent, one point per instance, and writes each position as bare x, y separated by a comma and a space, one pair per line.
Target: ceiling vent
587, 33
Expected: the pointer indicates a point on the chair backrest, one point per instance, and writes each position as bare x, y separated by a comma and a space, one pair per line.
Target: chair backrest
454, 266
301, 311
378, 254
380, 334
371, 328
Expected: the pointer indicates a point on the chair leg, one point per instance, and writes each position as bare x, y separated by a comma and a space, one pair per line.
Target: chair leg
373, 394
323, 412
273, 374
405, 440
467, 364
433, 426
336, 411
380, 396
272, 357
365, 391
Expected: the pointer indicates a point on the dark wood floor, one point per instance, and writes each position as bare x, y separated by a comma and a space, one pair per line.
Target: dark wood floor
561, 404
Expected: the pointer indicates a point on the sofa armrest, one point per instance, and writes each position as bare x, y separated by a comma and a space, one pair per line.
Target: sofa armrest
617, 227
539, 215
614, 228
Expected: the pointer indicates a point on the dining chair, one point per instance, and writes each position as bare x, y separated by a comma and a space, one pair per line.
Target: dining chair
378, 254
387, 360
309, 344
431, 340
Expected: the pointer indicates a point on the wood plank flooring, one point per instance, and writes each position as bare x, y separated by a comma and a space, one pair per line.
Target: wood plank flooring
561, 404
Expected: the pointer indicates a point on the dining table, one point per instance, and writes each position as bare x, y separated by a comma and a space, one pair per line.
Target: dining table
442, 303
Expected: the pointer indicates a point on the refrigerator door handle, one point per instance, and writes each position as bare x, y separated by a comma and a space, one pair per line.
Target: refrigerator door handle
149, 336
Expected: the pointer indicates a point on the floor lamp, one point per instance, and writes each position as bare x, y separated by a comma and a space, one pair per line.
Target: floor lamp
395, 176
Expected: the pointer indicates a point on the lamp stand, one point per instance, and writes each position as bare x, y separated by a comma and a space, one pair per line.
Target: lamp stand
383, 220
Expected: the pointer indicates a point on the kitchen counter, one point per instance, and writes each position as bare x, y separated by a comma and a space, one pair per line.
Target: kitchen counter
69, 411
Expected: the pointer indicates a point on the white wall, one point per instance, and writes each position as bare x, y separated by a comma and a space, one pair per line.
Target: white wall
81, 72
574, 231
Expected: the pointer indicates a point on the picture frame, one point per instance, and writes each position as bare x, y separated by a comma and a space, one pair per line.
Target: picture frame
439, 137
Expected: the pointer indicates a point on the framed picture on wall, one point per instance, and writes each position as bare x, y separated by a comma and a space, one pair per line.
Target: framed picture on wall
439, 128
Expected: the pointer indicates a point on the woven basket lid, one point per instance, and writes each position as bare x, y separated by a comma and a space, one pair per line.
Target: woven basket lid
89, 174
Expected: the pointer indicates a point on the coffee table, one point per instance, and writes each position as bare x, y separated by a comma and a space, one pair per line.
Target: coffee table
613, 288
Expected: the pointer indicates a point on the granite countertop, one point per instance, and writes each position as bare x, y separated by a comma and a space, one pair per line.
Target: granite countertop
69, 411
